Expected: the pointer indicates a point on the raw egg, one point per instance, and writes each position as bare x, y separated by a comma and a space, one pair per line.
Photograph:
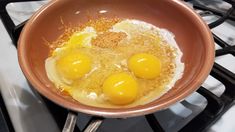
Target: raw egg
73, 65
120, 88
83, 38
145, 65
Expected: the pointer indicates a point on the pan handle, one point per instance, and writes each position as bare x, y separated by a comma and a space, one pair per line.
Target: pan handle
94, 124
70, 122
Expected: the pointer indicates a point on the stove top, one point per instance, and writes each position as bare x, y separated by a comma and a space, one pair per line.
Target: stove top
211, 108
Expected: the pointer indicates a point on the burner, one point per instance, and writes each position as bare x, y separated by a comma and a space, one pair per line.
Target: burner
215, 108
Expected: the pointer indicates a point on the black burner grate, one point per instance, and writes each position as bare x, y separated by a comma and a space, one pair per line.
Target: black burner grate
216, 106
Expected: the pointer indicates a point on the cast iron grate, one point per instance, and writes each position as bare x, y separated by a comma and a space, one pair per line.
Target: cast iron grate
216, 106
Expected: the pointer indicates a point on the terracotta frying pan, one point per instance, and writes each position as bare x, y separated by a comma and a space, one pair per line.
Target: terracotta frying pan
191, 33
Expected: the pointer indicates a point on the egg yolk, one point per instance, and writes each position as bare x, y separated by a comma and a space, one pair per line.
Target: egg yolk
144, 65
120, 88
83, 38
73, 65
80, 39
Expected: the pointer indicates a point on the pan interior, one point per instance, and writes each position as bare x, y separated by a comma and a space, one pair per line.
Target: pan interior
190, 33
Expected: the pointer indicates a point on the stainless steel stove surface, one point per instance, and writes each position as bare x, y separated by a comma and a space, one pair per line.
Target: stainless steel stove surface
201, 111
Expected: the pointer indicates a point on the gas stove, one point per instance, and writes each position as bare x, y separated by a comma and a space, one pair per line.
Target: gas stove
211, 108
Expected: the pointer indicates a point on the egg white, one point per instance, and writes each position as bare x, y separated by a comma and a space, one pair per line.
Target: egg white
130, 28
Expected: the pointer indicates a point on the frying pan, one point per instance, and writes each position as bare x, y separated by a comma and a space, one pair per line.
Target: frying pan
191, 33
